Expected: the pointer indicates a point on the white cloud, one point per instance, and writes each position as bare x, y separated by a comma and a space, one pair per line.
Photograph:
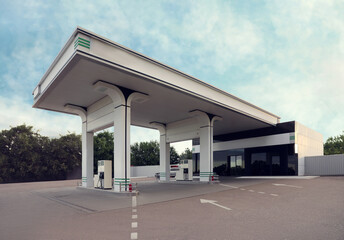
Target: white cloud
15, 111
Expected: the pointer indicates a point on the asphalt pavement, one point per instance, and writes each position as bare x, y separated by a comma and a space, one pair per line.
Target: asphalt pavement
236, 208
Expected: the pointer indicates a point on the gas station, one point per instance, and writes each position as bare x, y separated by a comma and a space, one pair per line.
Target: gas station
107, 84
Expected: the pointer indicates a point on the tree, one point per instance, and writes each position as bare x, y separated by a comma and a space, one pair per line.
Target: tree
63, 157
334, 145
25, 155
103, 148
145, 153
20, 154
174, 157
187, 154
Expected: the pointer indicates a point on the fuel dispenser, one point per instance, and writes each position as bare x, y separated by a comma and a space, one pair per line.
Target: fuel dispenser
185, 171
103, 179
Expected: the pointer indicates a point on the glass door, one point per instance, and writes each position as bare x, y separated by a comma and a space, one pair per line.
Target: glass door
235, 165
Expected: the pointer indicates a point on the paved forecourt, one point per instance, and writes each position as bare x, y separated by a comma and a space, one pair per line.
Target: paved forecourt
234, 209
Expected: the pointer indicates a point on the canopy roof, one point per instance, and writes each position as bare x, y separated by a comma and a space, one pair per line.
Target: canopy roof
87, 58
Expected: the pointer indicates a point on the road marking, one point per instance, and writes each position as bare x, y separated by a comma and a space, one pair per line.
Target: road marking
134, 225
251, 190
285, 185
134, 202
133, 235
261, 192
225, 185
243, 189
275, 195
214, 203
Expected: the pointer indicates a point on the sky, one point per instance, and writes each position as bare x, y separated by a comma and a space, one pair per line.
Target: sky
286, 57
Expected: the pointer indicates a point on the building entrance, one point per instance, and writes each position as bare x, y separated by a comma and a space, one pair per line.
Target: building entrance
235, 165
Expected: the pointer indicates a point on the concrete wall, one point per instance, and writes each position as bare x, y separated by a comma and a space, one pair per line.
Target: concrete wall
307, 143
324, 165
144, 171
271, 140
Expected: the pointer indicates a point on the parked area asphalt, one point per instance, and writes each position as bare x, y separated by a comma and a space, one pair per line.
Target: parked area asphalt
236, 208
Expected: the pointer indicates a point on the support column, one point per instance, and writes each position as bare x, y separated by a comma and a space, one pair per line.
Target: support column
206, 140
86, 146
121, 148
87, 157
122, 99
206, 123
165, 157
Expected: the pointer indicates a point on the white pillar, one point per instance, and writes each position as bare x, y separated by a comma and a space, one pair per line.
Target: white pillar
121, 148
86, 146
206, 153
206, 123
87, 156
122, 121
164, 159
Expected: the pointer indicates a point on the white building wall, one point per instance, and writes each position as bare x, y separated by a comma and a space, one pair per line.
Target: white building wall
307, 143
271, 140
144, 171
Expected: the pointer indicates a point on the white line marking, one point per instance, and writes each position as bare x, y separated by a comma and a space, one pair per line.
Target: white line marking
133, 235
134, 225
285, 185
134, 210
225, 185
134, 202
275, 195
261, 192
251, 190
242, 189
214, 203
134, 216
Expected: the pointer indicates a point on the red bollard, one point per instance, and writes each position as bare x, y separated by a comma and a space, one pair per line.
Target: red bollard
130, 187
212, 178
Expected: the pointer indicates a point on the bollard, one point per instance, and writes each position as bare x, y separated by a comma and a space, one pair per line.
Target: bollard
130, 187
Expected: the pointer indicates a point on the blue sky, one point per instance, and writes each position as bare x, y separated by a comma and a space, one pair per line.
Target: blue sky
284, 56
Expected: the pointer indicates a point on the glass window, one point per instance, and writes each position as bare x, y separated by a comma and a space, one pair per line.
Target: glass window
233, 161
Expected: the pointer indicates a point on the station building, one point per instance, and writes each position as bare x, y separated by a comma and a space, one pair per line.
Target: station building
276, 150
108, 84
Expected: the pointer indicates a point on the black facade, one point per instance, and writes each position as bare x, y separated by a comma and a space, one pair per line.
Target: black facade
259, 161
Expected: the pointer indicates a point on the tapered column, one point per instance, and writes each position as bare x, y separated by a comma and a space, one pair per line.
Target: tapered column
164, 152
206, 124
206, 153
86, 146
164, 159
122, 99
121, 148
87, 157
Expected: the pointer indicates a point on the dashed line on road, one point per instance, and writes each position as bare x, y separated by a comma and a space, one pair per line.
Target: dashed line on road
225, 185
250, 190
133, 235
134, 224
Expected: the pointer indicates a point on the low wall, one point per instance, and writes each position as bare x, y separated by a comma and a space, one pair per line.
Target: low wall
324, 165
144, 171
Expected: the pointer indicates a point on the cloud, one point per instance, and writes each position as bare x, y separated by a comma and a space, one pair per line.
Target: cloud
285, 56
15, 111
302, 77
